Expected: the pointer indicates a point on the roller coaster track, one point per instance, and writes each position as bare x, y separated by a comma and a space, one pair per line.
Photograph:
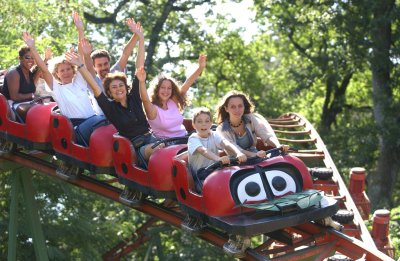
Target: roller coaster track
309, 241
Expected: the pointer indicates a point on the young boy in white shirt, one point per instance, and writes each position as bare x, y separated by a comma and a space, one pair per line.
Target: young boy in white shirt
203, 145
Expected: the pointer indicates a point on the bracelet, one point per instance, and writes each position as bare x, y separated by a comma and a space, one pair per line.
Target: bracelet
80, 66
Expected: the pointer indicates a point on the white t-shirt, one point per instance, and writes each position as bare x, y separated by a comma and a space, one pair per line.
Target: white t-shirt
74, 99
212, 143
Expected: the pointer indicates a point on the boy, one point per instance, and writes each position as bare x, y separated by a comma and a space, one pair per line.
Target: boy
204, 144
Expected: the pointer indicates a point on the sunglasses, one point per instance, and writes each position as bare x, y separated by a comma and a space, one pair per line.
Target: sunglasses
28, 57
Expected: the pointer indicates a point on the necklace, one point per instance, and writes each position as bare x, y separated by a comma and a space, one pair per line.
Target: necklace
235, 126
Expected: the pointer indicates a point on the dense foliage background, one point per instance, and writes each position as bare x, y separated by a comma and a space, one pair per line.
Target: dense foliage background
335, 62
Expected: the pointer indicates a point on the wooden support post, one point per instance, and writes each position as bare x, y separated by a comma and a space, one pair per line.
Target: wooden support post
380, 231
357, 192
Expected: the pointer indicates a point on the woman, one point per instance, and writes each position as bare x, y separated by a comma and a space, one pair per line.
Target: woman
70, 92
125, 110
238, 124
19, 86
167, 101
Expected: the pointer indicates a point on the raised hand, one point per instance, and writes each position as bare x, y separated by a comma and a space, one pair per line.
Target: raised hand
48, 54
28, 39
86, 46
141, 74
73, 58
77, 20
202, 60
135, 28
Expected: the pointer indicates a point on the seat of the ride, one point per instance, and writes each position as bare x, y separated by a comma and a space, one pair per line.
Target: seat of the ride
97, 157
184, 157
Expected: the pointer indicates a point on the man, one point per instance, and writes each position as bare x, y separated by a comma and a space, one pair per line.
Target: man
99, 61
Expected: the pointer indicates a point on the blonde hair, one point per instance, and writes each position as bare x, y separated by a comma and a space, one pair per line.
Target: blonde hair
55, 63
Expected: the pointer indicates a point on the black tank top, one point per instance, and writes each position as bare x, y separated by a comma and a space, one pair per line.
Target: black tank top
24, 86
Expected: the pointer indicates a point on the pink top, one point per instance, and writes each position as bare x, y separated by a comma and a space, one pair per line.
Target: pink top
168, 123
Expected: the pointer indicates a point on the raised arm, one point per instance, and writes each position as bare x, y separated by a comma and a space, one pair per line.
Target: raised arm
48, 54
81, 37
150, 108
47, 76
137, 29
190, 80
79, 27
73, 58
128, 48
86, 49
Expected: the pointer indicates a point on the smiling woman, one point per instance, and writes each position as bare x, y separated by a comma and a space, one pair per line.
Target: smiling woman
19, 83
70, 92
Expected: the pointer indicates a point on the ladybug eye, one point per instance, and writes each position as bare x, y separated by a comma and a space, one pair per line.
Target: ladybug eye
281, 183
251, 189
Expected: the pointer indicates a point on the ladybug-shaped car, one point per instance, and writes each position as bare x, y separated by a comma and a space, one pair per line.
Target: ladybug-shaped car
96, 157
31, 131
251, 198
156, 180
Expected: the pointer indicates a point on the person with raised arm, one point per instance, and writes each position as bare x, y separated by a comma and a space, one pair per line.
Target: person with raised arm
240, 125
41, 89
70, 91
167, 101
98, 62
125, 109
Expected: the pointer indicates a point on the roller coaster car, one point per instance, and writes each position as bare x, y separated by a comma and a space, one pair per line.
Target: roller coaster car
156, 180
97, 157
251, 198
33, 134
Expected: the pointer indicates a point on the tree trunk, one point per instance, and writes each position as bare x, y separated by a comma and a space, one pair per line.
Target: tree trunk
335, 100
382, 181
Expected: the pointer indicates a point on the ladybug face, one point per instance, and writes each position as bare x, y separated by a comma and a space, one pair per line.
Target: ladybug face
264, 184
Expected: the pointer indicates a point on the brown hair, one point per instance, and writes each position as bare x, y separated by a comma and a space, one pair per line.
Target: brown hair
115, 76
155, 87
222, 115
99, 54
201, 110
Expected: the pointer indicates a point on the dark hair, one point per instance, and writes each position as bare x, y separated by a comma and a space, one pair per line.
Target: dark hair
155, 87
201, 110
99, 54
115, 76
23, 50
222, 115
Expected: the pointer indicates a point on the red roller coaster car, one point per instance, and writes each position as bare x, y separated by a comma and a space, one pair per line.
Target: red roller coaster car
156, 180
97, 157
250, 199
34, 133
